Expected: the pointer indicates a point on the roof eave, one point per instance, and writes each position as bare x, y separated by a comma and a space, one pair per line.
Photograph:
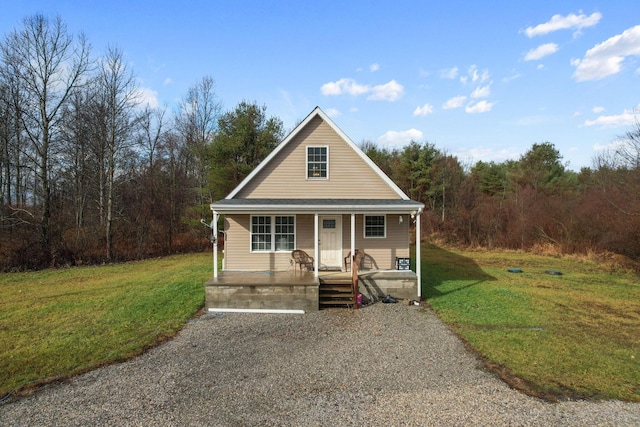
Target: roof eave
310, 209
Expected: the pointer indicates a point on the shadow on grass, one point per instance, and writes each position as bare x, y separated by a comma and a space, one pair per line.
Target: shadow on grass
445, 273
440, 266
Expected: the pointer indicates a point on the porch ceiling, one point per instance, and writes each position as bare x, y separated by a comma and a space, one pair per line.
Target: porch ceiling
226, 206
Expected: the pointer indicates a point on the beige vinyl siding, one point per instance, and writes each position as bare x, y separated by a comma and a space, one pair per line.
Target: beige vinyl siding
238, 255
237, 252
383, 251
286, 175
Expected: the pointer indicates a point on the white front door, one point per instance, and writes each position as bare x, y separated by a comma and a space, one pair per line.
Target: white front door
330, 241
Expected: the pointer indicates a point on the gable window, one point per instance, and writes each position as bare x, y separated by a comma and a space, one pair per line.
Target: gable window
273, 233
375, 226
317, 162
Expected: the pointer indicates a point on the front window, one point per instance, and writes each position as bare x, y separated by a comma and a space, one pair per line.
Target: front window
272, 233
285, 235
317, 162
374, 226
261, 233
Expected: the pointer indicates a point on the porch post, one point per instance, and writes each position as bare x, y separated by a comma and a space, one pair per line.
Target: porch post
215, 244
353, 238
315, 244
418, 255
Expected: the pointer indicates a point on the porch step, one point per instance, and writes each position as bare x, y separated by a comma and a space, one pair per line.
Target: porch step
336, 293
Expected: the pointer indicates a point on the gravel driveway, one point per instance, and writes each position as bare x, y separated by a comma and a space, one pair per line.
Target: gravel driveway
384, 365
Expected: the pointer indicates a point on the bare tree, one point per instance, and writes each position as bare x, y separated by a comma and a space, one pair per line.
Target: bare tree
629, 149
117, 100
47, 64
78, 161
152, 127
197, 124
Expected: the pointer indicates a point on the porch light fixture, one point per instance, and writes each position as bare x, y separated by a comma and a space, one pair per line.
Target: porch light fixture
400, 219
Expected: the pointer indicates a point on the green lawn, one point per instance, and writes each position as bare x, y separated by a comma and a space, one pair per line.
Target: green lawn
65, 321
577, 334
570, 335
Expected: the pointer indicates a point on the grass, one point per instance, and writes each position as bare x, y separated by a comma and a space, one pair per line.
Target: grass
574, 335
65, 321
554, 336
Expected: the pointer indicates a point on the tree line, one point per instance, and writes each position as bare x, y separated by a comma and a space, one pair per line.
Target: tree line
90, 173
534, 202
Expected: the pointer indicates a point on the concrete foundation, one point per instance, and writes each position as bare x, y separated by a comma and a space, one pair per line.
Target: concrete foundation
399, 284
299, 291
280, 291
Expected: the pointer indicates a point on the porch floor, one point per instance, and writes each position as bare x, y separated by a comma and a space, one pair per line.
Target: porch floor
266, 278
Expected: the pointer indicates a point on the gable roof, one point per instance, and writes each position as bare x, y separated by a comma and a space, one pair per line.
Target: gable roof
317, 112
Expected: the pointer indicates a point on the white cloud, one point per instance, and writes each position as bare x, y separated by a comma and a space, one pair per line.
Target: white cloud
333, 112
541, 51
479, 107
393, 137
167, 81
455, 102
476, 153
426, 109
559, 22
374, 67
540, 66
511, 78
486, 154
598, 109
390, 91
449, 73
474, 74
606, 58
147, 96
627, 118
481, 92
614, 145
344, 86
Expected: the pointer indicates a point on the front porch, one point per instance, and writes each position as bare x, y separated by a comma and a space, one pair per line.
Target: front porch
296, 290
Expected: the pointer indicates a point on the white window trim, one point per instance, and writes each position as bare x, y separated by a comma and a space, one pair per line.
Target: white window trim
306, 163
364, 226
273, 234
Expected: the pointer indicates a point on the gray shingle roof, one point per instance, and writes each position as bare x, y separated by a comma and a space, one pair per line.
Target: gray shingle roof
316, 205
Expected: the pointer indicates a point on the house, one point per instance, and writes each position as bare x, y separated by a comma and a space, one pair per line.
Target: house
318, 192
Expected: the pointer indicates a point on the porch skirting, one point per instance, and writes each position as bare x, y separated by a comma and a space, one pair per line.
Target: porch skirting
286, 290
263, 290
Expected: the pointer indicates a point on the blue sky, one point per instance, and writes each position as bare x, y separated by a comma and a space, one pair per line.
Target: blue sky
480, 80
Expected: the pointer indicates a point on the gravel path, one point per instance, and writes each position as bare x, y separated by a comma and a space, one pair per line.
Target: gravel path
385, 365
